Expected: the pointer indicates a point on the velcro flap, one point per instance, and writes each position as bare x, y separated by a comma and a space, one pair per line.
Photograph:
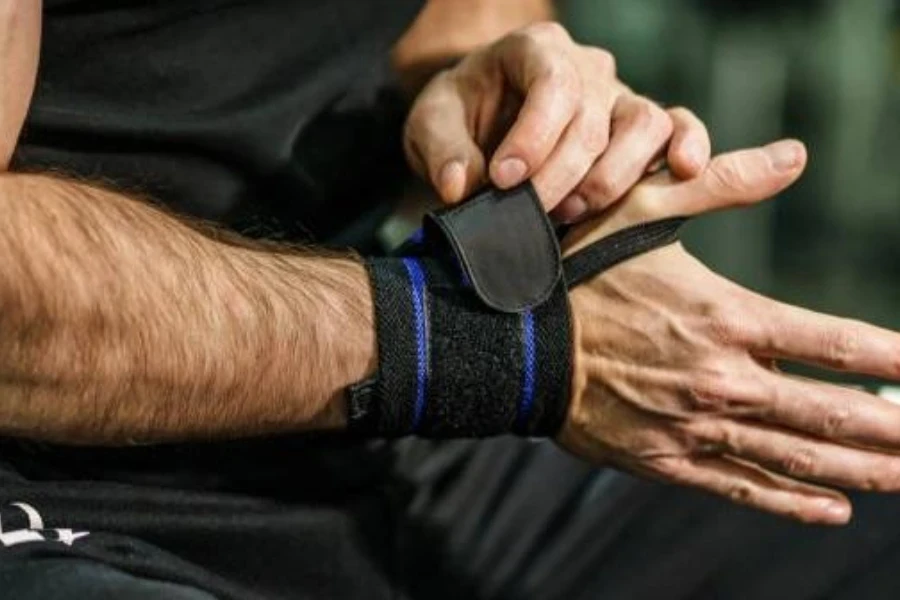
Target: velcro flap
505, 245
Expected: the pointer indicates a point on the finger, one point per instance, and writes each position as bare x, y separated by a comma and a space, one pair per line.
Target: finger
573, 157
755, 487
551, 87
734, 179
783, 331
803, 457
690, 148
829, 411
832, 412
572, 209
439, 145
640, 130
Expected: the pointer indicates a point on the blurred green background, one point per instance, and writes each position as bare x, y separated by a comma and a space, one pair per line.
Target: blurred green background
824, 71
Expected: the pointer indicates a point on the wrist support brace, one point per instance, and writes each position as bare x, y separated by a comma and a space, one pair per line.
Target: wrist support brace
473, 327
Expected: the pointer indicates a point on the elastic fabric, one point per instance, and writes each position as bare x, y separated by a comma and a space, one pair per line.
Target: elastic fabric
451, 364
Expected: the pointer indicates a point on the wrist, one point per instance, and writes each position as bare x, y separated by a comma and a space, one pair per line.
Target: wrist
473, 328
580, 303
358, 351
310, 337
349, 331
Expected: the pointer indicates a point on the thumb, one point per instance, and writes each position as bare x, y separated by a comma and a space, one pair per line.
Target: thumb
739, 178
440, 148
735, 179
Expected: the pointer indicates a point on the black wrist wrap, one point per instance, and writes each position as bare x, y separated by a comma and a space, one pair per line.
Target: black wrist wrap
474, 336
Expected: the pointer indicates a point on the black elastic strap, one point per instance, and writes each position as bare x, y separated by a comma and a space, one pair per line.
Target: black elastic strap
618, 247
469, 345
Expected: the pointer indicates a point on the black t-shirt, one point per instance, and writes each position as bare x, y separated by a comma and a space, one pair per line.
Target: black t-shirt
275, 118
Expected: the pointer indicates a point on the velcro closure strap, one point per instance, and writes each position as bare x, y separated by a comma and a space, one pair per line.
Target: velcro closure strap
619, 247
488, 350
505, 246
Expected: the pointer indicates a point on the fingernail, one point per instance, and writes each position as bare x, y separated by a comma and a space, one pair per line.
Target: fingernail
511, 171
572, 209
452, 179
785, 155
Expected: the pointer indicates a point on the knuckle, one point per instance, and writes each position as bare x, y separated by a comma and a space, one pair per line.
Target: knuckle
685, 116
800, 463
727, 327
728, 175
547, 30
680, 111
421, 118
531, 149
564, 79
603, 60
600, 187
660, 122
741, 493
835, 419
595, 135
651, 118
841, 346
708, 390
704, 395
707, 436
722, 325
644, 116
883, 479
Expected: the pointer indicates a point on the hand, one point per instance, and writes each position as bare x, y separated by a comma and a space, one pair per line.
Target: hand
675, 375
541, 106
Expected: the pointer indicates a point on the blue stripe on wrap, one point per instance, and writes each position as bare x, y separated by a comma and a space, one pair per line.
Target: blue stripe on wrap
417, 289
528, 370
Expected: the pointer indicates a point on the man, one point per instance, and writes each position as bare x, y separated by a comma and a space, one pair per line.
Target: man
126, 325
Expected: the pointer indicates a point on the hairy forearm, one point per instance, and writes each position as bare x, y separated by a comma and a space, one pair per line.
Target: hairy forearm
448, 29
118, 324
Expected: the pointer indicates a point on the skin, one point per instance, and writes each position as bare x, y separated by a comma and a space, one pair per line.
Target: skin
535, 104
675, 373
446, 30
225, 338
20, 33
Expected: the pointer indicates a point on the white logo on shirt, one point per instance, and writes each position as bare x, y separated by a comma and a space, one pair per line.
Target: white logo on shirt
36, 531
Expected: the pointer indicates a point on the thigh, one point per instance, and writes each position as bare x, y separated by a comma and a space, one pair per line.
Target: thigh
79, 579
507, 518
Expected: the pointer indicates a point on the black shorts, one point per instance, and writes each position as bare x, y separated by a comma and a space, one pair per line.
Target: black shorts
503, 518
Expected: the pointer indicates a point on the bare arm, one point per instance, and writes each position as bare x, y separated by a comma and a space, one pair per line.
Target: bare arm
119, 324
445, 30
20, 33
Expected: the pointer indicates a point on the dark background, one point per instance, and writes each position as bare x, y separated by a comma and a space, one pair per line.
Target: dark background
827, 72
